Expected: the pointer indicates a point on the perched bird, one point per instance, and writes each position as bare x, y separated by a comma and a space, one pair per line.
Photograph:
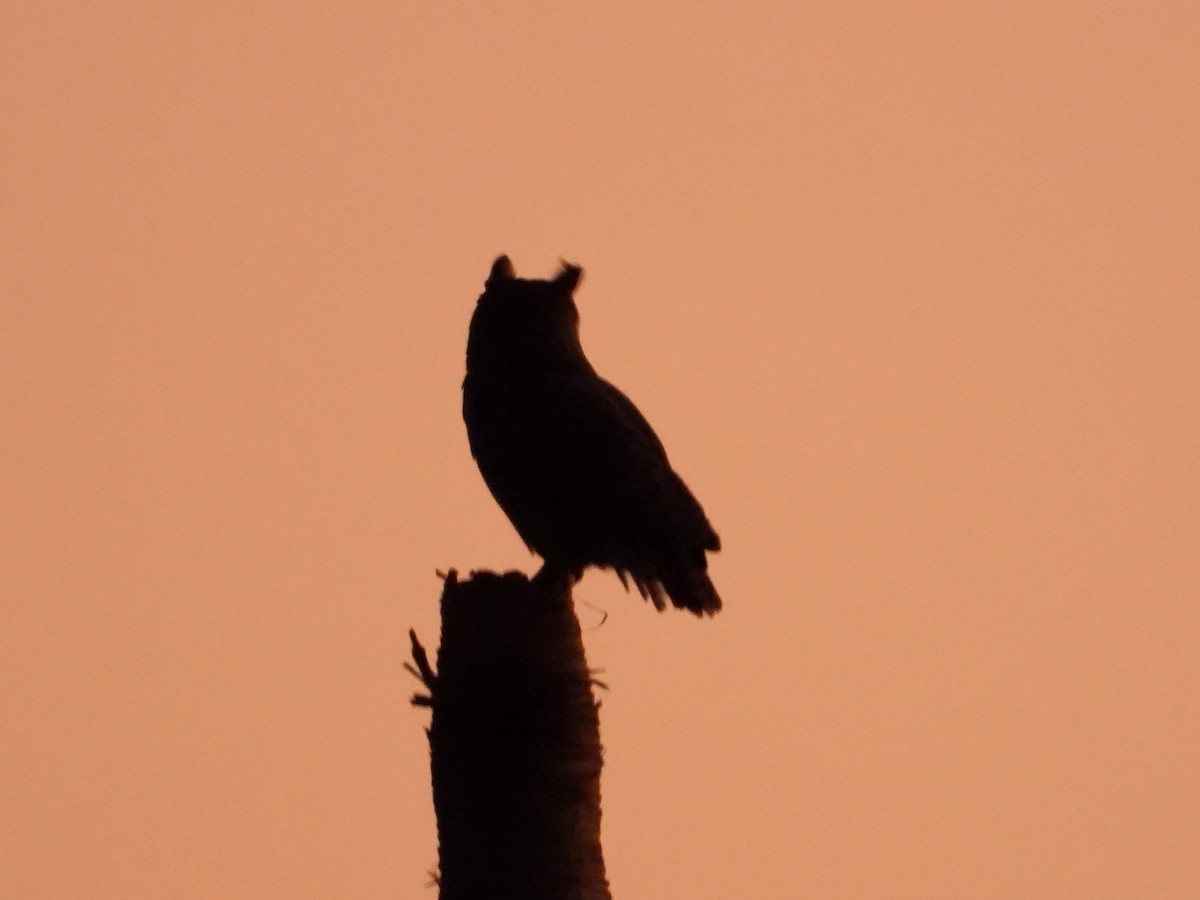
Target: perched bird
573, 464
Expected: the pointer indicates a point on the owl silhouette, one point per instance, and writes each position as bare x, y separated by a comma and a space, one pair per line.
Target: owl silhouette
572, 462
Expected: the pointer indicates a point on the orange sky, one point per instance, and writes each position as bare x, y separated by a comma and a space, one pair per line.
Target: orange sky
909, 293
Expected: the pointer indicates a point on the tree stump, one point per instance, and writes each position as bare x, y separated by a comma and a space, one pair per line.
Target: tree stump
514, 743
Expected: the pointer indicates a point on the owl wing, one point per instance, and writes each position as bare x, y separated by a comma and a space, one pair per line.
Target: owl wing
615, 468
578, 469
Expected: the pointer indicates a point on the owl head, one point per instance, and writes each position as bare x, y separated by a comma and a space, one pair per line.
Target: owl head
522, 322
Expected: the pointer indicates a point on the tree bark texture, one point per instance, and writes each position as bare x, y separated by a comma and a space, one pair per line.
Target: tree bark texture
514, 744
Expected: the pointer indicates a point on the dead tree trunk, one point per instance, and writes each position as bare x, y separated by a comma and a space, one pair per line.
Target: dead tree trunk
514, 744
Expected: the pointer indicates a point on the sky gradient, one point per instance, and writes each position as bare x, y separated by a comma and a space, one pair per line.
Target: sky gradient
909, 292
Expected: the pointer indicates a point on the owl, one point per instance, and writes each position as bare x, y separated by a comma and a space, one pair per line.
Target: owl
572, 462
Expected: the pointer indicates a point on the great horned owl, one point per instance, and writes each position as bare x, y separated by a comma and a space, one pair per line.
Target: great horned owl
574, 465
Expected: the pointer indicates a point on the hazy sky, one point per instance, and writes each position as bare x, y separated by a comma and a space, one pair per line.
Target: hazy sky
910, 292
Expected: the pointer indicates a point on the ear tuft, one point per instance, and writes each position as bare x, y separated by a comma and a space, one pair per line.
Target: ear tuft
569, 277
502, 270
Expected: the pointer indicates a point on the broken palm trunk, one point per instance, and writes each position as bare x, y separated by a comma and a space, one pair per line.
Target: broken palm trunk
514, 743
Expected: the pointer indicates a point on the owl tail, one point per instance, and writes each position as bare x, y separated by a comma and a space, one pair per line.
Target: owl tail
693, 590
689, 589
